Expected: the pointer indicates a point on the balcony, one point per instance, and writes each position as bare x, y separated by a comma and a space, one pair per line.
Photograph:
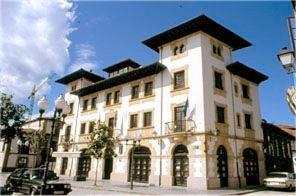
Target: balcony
66, 141
179, 130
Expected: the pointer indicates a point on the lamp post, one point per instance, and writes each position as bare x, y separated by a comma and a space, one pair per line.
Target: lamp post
135, 141
287, 59
61, 110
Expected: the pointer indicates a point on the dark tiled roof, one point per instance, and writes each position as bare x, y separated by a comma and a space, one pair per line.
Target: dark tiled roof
81, 73
136, 74
288, 129
200, 23
120, 65
246, 72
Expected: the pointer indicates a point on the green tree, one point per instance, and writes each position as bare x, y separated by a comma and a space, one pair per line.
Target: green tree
12, 117
102, 144
38, 141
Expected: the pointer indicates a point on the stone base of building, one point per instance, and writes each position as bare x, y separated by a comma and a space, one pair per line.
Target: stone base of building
197, 183
119, 177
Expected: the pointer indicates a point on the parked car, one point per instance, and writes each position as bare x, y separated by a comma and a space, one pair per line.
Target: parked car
29, 181
281, 180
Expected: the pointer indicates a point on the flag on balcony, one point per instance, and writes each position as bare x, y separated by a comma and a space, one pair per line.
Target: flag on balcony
192, 113
186, 107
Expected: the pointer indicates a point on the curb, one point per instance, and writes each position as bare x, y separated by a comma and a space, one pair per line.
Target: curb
109, 189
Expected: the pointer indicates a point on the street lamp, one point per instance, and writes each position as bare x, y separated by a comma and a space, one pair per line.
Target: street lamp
61, 109
23, 147
135, 142
287, 59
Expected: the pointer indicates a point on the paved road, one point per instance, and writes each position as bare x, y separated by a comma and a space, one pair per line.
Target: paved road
272, 192
89, 190
77, 191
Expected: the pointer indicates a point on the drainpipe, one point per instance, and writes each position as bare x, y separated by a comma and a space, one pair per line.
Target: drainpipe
161, 119
235, 136
76, 122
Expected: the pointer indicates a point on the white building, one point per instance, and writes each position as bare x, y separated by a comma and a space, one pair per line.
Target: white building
196, 110
20, 153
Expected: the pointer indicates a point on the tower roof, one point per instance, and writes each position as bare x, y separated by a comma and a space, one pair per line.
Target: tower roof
200, 23
81, 73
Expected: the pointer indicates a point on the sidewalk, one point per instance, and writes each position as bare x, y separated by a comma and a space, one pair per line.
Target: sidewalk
140, 189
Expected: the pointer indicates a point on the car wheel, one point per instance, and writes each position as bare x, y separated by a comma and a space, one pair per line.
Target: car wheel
9, 187
291, 189
34, 191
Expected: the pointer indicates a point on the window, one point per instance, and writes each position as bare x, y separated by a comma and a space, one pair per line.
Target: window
245, 89
108, 98
220, 114
214, 49
182, 48
176, 50
94, 103
111, 122
91, 127
73, 87
248, 123
85, 103
147, 121
134, 121
179, 119
218, 80
238, 120
179, 80
217, 49
22, 162
82, 128
135, 92
67, 133
116, 96
148, 88
235, 89
71, 108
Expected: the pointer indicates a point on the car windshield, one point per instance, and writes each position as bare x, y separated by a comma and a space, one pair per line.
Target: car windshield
276, 175
39, 173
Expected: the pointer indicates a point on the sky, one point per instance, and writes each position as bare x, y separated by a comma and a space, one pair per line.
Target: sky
62, 36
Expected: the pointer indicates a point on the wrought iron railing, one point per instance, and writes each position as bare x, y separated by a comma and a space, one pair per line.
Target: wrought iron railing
181, 126
66, 139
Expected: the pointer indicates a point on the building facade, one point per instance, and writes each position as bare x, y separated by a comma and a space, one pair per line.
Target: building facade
19, 153
195, 112
279, 144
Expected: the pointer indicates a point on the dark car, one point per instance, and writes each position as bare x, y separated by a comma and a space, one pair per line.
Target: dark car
29, 181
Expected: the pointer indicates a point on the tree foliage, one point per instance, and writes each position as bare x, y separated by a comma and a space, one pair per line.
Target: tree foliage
12, 117
102, 142
38, 140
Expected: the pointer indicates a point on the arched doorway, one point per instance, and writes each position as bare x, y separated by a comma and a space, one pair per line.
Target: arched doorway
180, 165
222, 166
84, 162
251, 169
141, 164
108, 167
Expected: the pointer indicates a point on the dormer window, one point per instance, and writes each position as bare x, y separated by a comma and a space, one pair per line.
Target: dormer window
121, 68
73, 87
182, 48
219, 51
216, 49
176, 50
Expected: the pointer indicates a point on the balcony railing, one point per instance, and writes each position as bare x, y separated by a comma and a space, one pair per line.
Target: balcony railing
181, 126
66, 139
